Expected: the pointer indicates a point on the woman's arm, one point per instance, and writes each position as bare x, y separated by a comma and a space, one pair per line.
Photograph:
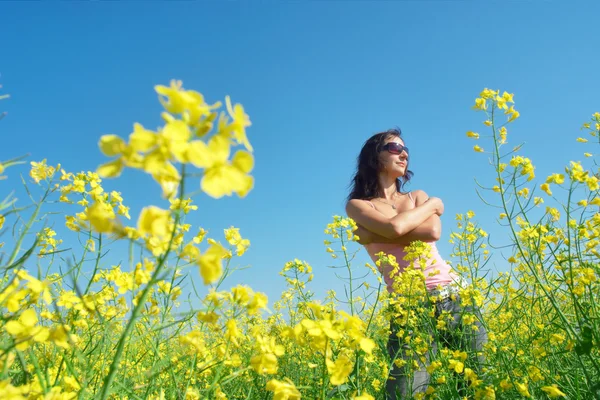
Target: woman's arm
397, 226
428, 231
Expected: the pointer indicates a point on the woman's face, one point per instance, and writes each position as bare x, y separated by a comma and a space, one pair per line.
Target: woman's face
392, 164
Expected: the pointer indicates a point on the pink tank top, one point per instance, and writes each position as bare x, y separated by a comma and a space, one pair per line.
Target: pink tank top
434, 264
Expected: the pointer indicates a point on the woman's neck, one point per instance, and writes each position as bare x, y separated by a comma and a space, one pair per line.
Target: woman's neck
388, 188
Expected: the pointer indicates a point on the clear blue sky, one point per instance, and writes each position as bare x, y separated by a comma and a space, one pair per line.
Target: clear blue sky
317, 79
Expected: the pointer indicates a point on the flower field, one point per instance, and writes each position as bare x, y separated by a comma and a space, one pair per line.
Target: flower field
76, 327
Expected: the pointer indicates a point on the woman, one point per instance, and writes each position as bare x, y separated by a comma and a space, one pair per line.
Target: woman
388, 219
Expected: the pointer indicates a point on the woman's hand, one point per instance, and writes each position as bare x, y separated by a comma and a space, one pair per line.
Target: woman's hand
437, 203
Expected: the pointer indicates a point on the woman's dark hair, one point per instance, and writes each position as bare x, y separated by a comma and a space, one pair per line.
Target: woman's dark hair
365, 184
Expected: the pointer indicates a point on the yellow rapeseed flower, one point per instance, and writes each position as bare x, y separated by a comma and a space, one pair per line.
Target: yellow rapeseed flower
283, 390
556, 178
154, 221
40, 171
101, 217
222, 177
211, 263
364, 396
553, 391
25, 331
340, 370
546, 188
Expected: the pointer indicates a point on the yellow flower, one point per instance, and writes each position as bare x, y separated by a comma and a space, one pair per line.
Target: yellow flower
154, 221
473, 135
376, 384
576, 172
175, 137
36, 287
553, 391
211, 263
582, 140
364, 396
168, 178
10, 392
480, 104
488, 93
2, 219
508, 97
514, 114
264, 364
233, 237
522, 389
141, 139
556, 178
239, 123
554, 213
200, 236
40, 171
71, 383
487, 393
456, 365
222, 177
60, 336
367, 345
501, 103
259, 301
192, 394
189, 103
478, 149
339, 370
592, 183
184, 205
503, 133
101, 217
283, 390
546, 188
588, 154
111, 145
24, 330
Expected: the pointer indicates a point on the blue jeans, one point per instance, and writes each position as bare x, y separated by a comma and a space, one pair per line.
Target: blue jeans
401, 384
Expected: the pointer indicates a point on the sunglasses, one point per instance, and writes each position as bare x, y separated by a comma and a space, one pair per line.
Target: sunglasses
395, 148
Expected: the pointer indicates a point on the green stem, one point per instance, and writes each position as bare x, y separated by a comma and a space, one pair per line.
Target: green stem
32, 219
140, 305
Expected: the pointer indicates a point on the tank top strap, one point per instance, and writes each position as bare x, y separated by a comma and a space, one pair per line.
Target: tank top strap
411, 198
371, 204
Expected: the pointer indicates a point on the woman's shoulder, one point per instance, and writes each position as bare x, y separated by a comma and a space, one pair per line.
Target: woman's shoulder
358, 203
418, 194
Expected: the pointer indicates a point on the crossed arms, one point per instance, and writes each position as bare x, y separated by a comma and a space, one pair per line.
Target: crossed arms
420, 223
